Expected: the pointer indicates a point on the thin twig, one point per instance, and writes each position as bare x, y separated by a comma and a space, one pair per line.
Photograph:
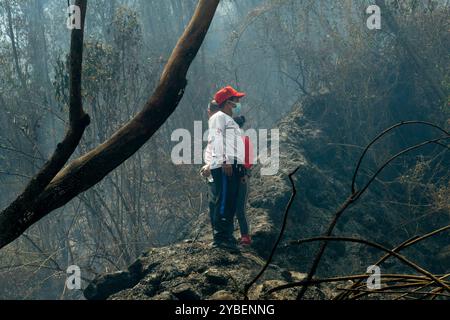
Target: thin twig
280, 236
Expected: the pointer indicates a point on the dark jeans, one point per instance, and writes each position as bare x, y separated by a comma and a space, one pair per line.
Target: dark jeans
241, 205
226, 191
211, 201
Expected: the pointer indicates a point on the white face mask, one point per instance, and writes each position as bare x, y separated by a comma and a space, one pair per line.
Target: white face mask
238, 108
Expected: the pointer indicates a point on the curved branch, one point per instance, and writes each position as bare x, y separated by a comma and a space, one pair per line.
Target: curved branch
280, 236
88, 170
404, 245
353, 198
417, 146
381, 135
368, 243
13, 218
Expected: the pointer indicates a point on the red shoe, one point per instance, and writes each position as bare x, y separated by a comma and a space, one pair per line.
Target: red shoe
246, 240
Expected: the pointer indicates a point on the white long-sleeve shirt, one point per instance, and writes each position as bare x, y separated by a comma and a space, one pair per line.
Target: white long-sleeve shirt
225, 143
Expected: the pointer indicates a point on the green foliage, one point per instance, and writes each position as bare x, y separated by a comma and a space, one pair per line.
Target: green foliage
106, 66
127, 29
98, 68
99, 62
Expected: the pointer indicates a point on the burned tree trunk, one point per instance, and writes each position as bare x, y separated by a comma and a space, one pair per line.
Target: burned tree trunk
53, 187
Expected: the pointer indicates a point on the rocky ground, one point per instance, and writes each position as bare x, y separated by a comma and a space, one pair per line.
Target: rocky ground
193, 271
312, 142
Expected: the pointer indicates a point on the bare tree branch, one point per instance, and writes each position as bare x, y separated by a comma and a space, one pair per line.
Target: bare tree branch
14, 218
280, 237
88, 170
384, 133
399, 248
355, 196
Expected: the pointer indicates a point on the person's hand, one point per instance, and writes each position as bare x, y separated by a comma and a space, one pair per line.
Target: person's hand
227, 169
205, 171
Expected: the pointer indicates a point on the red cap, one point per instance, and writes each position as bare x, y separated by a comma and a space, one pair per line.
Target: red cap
227, 93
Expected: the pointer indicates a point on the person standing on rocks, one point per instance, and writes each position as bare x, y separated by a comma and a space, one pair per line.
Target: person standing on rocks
226, 164
242, 196
213, 108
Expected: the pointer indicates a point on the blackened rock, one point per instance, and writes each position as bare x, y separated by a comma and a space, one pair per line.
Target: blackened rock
185, 292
